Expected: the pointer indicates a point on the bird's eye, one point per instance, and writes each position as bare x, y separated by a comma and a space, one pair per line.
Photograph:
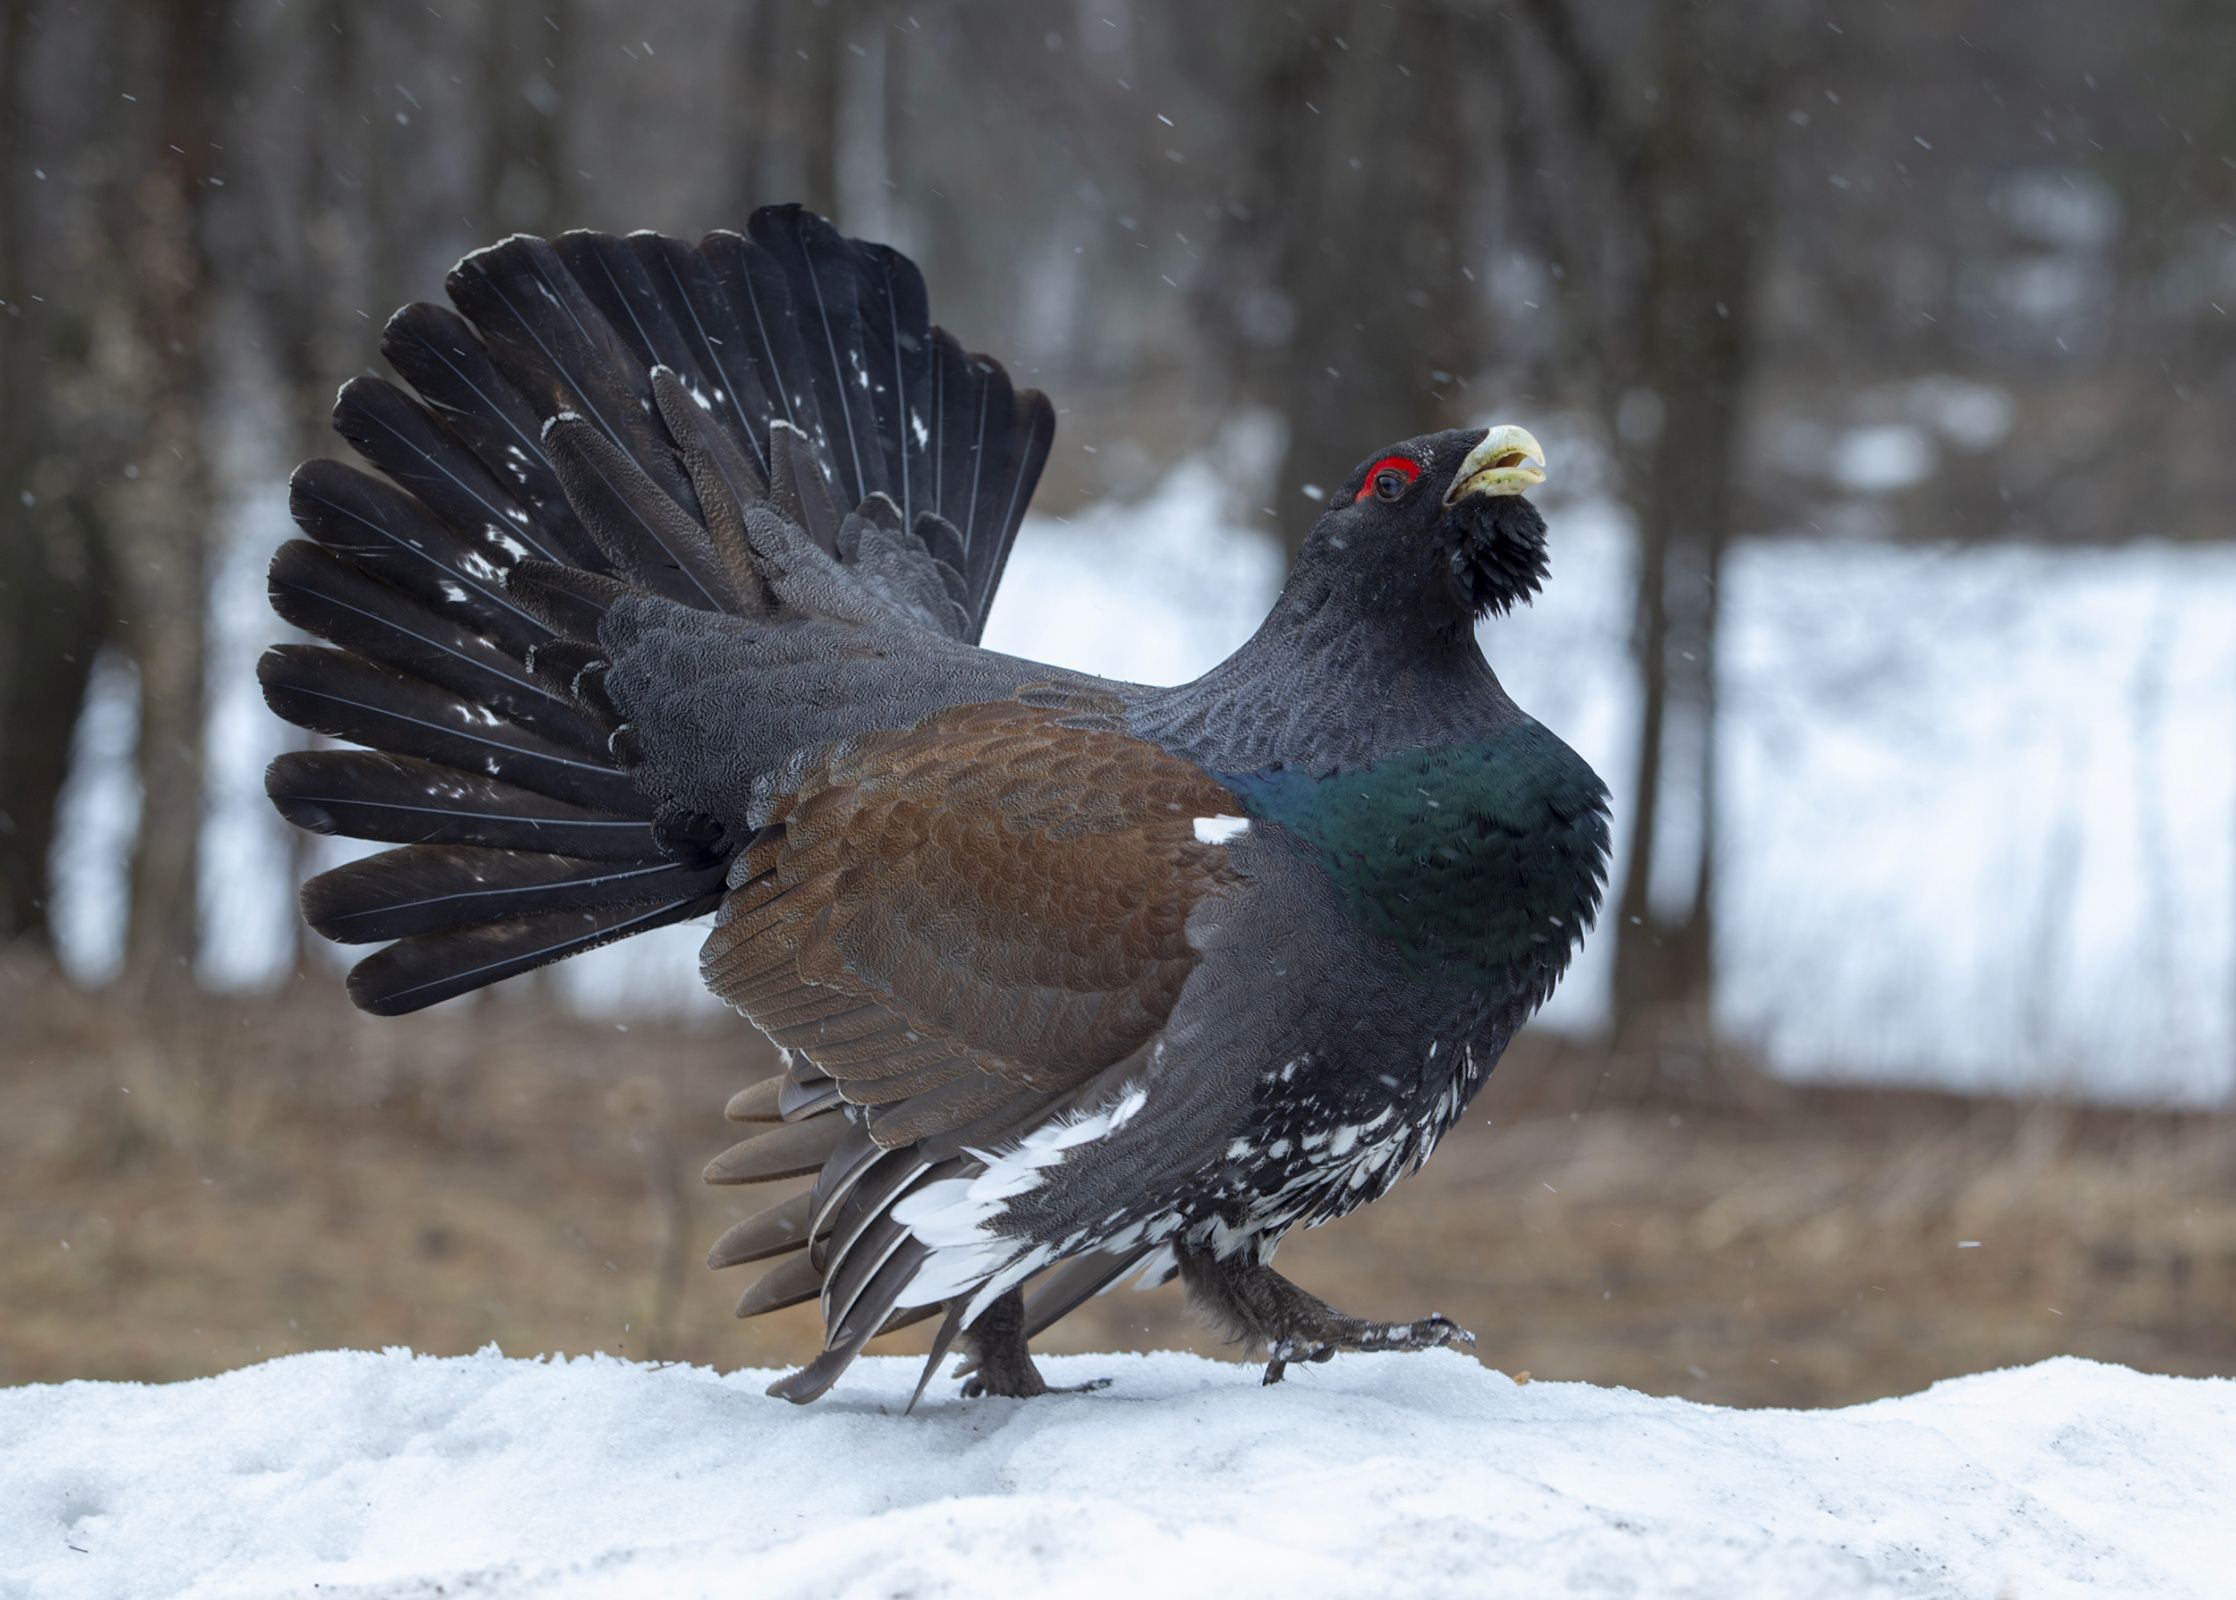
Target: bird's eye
1389, 478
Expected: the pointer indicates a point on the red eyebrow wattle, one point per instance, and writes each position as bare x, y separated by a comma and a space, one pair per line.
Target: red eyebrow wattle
1404, 464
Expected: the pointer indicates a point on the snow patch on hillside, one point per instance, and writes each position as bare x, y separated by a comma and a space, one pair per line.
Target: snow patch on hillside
388, 1476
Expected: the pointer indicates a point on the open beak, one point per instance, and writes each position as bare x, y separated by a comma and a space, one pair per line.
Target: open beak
1501, 464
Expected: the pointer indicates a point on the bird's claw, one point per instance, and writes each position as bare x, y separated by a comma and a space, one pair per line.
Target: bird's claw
1433, 1331
975, 1388
1429, 1333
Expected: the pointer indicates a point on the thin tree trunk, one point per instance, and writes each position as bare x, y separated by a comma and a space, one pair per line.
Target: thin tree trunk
161, 516
1357, 317
1703, 174
786, 124
50, 620
1690, 180
524, 179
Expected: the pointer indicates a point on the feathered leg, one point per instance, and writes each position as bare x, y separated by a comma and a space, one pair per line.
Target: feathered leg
996, 1343
1255, 1304
1001, 1363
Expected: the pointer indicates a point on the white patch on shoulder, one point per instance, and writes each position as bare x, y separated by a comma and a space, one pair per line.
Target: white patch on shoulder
1219, 829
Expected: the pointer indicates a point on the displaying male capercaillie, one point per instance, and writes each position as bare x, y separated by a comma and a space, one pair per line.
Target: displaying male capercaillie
670, 606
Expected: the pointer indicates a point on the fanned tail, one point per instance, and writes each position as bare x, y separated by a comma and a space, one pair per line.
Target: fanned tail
603, 417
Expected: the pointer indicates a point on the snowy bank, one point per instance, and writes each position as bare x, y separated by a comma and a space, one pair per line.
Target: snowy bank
390, 1475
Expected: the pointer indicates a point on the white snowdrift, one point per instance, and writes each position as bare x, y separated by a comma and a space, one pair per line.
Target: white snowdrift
390, 1475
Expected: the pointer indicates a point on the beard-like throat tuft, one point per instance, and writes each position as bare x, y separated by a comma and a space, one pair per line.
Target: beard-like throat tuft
1498, 552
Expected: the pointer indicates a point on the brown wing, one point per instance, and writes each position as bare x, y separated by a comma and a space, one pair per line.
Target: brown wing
963, 921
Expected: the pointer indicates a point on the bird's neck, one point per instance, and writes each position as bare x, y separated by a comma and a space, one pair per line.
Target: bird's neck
1329, 682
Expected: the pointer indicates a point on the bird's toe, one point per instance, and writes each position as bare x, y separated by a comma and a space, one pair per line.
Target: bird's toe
1434, 1331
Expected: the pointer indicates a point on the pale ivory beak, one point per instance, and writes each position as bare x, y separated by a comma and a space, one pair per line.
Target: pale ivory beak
1499, 465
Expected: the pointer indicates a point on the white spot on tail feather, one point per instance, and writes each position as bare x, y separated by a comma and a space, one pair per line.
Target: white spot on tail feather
1221, 828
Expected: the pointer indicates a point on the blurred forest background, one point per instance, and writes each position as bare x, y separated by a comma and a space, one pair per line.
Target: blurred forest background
1935, 277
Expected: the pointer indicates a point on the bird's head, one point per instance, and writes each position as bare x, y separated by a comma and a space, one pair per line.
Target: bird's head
1437, 527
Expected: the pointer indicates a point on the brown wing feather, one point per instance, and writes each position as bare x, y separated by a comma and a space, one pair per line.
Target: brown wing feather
987, 909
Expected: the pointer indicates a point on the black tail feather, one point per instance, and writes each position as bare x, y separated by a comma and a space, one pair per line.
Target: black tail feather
602, 423
562, 661
650, 539
737, 386
403, 800
546, 336
751, 280
430, 888
856, 1328
898, 350
436, 352
347, 697
568, 602
818, 266
407, 442
390, 536
727, 482
322, 594
417, 972
613, 275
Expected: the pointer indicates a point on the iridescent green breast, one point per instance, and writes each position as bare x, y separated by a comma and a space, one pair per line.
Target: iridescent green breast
1481, 862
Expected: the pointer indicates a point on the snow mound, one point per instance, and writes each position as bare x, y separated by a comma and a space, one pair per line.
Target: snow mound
391, 1475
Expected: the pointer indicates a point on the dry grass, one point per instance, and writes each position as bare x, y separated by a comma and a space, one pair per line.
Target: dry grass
243, 1179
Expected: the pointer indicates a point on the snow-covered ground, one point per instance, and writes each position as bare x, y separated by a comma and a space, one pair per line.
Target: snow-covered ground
359, 1475
1977, 806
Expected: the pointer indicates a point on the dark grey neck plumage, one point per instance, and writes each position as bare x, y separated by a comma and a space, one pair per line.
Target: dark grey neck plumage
1328, 683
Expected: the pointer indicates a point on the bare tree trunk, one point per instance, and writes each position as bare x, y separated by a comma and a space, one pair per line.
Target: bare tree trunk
323, 272
50, 629
161, 515
1705, 176
50, 620
1690, 177
524, 173
1347, 294
790, 82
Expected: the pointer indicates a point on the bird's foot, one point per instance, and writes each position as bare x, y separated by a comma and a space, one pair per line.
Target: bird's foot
1350, 1333
977, 1386
1258, 1305
1009, 1383
999, 1362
